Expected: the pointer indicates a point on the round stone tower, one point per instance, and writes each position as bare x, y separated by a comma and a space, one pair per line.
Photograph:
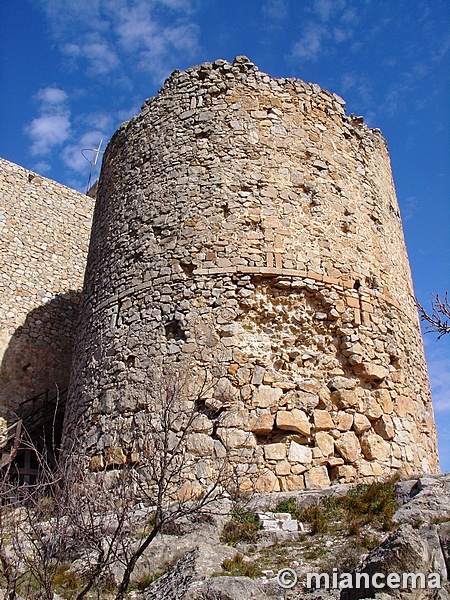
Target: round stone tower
245, 225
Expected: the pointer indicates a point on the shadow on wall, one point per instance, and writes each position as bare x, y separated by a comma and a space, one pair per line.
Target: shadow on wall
39, 354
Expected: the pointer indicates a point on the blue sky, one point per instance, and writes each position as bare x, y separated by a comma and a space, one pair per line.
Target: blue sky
72, 70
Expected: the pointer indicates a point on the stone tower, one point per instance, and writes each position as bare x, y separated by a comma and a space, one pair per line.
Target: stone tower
247, 222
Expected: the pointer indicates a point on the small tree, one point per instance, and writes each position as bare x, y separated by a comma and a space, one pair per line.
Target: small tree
32, 527
438, 319
73, 513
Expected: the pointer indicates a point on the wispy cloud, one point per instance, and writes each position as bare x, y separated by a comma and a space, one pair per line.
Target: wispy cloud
98, 56
52, 127
105, 37
331, 23
275, 10
438, 360
309, 46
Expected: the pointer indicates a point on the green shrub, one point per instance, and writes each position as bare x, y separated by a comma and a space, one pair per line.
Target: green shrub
242, 527
238, 567
289, 505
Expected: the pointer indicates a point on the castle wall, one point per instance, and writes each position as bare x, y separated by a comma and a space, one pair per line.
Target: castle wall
246, 223
44, 235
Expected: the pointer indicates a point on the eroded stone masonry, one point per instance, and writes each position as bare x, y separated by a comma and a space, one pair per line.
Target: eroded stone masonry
246, 223
44, 237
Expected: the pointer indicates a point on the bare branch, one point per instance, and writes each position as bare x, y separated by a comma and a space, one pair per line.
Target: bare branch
439, 318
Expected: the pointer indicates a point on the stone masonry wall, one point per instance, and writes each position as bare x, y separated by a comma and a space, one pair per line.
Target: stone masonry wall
44, 235
247, 222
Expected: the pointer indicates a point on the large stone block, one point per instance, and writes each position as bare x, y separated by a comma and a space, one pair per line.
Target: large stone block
317, 478
348, 447
299, 453
375, 448
293, 420
265, 396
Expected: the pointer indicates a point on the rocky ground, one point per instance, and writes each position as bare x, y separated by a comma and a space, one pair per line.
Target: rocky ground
237, 553
418, 543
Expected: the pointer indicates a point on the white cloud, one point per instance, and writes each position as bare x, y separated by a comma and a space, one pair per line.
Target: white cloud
42, 167
51, 97
438, 360
99, 56
52, 128
276, 10
116, 36
309, 46
329, 26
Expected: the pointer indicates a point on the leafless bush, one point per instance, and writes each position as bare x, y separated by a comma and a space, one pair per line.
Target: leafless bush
93, 519
438, 320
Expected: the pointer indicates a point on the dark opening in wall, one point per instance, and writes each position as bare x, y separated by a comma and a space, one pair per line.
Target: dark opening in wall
174, 331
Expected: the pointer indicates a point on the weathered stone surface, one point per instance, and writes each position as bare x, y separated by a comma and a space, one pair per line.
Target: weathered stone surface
404, 551
200, 444
189, 491
275, 275
293, 420
114, 457
361, 423
343, 421
44, 240
266, 396
322, 420
235, 438
385, 427
325, 442
348, 447
317, 477
372, 371
275, 451
344, 399
298, 453
342, 383
374, 447
267, 482
262, 424
427, 499
292, 482
190, 579
97, 463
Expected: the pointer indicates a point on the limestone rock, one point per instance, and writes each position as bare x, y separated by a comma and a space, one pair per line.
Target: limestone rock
361, 423
325, 442
292, 482
262, 424
374, 447
342, 383
267, 482
322, 420
343, 421
373, 371
299, 453
317, 477
403, 551
275, 451
344, 399
385, 427
266, 395
236, 438
97, 463
293, 420
348, 447
114, 457
200, 444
